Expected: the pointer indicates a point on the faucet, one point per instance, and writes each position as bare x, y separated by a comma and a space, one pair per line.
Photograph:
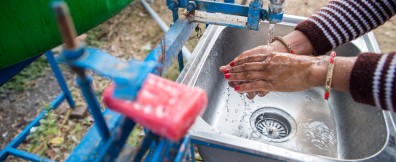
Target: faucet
275, 11
231, 13
274, 14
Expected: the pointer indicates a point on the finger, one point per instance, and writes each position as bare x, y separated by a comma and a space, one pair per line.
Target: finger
247, 76
253, 66
254, 86
262, 93
255, 58
255, 51
251, 95
233, 83
224, 68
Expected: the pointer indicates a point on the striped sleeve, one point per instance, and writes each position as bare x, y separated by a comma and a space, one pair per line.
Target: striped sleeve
342, 21
373, 80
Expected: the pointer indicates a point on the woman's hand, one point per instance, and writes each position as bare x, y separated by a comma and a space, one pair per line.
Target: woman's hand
280, 72
252, 52
297, 40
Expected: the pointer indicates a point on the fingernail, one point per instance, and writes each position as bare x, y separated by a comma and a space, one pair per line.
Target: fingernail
236, 88
232, 63
226, 71
228, 75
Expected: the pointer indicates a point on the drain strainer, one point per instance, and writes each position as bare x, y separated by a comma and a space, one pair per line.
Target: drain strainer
273, 124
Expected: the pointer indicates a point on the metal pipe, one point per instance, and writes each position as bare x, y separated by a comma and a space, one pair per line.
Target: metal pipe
59, 77
163, 26
73, 48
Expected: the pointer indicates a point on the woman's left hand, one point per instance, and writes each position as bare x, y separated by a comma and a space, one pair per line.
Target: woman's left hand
280, 72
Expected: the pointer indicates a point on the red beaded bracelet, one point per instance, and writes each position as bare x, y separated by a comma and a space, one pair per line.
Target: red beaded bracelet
329, 76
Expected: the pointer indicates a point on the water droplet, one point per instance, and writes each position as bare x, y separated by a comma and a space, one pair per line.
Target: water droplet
240, 127
308, 98
236, 110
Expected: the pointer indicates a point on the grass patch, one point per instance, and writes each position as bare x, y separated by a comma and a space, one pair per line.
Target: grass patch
56, 136
27, 77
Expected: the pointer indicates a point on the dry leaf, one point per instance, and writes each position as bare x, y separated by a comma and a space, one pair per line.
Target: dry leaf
57, 140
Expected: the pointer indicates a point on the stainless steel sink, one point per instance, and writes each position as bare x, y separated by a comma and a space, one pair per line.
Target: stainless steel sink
299, 126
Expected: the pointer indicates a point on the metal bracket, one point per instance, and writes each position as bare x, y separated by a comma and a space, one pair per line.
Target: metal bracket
127, 75
253, 20
229, 14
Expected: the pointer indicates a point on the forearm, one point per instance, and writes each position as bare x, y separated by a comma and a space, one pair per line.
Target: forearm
298, 41
341, 72
370, 78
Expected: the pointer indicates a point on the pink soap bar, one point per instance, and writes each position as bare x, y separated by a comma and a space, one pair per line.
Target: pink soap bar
163, 106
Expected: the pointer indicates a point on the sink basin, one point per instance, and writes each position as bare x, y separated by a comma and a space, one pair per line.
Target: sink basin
298, 126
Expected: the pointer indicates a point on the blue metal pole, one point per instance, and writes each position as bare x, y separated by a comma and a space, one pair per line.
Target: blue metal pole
162, 150
192, 152
84, 83
110, 150
59, 77
175, 14
147, 141
28, 156
181, 155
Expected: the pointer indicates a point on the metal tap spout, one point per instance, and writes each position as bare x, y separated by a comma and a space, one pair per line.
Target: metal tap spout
275, 11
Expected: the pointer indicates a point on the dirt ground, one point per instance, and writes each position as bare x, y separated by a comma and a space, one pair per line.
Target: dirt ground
130, 34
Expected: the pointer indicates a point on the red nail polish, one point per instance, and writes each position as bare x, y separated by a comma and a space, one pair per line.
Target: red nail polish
236, 88
228, 75
232, 63
226, 71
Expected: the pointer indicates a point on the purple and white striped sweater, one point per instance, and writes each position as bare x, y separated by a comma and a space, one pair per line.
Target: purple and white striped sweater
373, 77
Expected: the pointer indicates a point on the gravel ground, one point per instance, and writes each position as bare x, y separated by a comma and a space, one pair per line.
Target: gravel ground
131, 34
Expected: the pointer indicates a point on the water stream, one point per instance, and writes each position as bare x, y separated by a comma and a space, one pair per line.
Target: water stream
271, 32
247, 110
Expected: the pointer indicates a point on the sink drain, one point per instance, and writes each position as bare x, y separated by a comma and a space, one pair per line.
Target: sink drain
273, 124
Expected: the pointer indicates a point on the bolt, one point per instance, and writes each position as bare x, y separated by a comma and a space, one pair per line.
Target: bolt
191, 6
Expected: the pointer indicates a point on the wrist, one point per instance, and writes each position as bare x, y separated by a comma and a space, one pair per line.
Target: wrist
279, 47
318, 71
299, 42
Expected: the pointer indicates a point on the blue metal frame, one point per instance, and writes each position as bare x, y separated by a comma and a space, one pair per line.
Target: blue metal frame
105, 140
93, 148
93, 145
59, 77
128, 76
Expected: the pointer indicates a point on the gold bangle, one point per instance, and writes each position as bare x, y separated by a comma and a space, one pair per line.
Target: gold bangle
284, 42
329, 76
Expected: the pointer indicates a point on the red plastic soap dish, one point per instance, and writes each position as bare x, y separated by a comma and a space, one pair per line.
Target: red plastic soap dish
163, 106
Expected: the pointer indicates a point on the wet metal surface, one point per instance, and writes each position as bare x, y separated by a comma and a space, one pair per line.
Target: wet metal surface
335, 130
272, 124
